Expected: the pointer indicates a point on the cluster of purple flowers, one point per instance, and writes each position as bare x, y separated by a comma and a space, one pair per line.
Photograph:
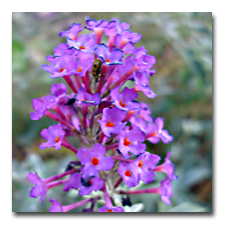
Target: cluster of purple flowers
103, 116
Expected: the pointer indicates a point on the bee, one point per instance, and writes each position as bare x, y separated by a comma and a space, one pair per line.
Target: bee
96, 69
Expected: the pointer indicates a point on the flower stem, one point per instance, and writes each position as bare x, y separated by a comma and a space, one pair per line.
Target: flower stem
70, 83
122, 159
75, 205
56, 183
143, 191
67, 144
112, 146
58, 176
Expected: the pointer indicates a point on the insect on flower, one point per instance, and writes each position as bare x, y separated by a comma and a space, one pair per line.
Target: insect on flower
96, 69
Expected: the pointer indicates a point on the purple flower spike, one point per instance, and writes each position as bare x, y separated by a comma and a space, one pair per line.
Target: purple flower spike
124, 100
95, 160
126, 173
111, 122
111, 209
73, 31
131, 141
142, 84
84, 98
56, 206
74, 182
90, 184
40, 188
84, 43
54, 135
110, 58
39, 108
143, 165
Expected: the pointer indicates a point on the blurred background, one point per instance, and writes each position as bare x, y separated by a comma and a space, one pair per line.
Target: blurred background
182, 45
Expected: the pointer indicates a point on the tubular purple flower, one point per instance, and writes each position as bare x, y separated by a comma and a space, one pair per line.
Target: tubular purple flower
95, 160
109, 57
84, 43
131, 141
111, 209
125, 99
167, 167
126, 173
84, 98
73, 31
98, 27
144, 165
142, 84
111, 122
54, 135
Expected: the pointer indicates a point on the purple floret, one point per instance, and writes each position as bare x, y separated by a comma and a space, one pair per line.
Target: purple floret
74, 182
40, 188
143, 165
92, 23
54, 135
167, 167
142, 84
109, 58
95, 160
131, 141
84, 98
84, 43
111, 209
64, 65
126, 36
126, 173
125, 99
39, 108
155, 132
166, 190
56, 206
73, 31
111, 122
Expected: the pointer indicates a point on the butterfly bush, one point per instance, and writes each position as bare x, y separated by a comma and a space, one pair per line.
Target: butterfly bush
103, 116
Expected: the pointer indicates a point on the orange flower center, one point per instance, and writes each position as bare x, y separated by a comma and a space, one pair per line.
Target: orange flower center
57, 139
126, 142
136, 89
61, 69
107, 60
128, 173
94, 161
140, 164
109, 124
109, 210
122, 104
79, 69
81, 47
